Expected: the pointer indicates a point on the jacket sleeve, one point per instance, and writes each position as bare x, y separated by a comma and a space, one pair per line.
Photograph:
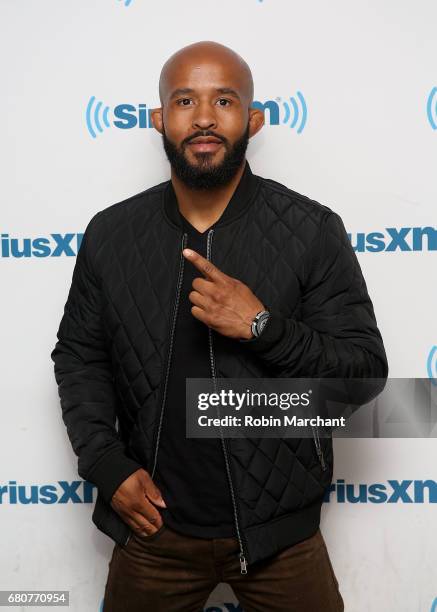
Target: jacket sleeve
336, 334
85, 382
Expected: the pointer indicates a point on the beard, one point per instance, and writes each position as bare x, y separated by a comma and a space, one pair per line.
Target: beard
205, 174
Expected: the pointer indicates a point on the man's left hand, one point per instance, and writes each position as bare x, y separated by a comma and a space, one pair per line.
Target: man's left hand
220, 301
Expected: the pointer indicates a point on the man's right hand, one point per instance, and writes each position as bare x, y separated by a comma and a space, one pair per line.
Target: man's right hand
134, 501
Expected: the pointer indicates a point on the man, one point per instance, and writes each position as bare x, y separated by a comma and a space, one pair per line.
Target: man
269, 286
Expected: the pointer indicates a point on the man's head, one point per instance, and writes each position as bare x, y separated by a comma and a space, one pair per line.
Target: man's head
205, 118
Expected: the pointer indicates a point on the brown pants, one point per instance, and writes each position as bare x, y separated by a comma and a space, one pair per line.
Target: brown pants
170, 572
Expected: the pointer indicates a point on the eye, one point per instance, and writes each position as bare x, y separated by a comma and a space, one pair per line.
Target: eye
181, 101
223, 100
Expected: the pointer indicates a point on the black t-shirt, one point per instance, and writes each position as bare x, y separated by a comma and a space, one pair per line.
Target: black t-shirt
191, 472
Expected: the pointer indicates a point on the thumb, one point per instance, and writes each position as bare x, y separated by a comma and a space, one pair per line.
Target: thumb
157, 499
153, 493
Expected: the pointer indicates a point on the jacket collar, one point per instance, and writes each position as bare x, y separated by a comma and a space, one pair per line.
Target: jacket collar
239, 202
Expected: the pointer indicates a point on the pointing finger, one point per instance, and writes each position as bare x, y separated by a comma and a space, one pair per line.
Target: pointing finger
204, 265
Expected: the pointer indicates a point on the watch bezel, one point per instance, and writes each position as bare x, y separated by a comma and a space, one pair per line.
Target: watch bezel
259, 322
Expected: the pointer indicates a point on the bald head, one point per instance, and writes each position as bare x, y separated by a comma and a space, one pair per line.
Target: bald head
205, 54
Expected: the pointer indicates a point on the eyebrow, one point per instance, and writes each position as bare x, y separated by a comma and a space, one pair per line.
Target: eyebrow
187, 90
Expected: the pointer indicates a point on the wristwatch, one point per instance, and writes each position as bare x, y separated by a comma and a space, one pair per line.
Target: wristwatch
259, 322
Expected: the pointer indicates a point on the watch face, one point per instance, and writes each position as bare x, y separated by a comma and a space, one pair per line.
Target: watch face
262, 323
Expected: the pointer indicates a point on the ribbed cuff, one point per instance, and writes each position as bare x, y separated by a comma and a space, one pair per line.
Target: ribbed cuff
111, 471
272, 332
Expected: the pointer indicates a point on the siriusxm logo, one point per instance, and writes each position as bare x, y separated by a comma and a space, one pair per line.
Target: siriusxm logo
402, 239
292, 111
62, 492
396, 239
431, 365
128, 2
224, 607
394, 492
279, 111
126, 116
431, 108
54, 245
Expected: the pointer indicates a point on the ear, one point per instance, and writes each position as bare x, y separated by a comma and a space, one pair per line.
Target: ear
256, 121
156, 116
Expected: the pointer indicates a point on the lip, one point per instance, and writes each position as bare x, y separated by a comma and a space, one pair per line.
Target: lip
205, 147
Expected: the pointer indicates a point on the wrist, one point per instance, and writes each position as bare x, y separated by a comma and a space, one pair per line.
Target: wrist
272, 335
247, 334
256, 325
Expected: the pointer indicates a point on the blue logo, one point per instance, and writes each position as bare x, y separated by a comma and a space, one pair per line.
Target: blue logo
431, 365
295, 111
53, 245
62, 492
127, 116
434, 605
292, 112
225, 607
392, 492
431, 108
128, 2
396, 239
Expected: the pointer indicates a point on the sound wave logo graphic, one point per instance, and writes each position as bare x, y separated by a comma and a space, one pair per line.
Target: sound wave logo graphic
431, 365
94, 118
431, 108
295, 112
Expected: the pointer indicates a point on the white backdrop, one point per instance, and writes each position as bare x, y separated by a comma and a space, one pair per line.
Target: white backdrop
365, 72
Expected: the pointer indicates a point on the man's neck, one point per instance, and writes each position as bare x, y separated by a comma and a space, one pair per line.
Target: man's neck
203, 207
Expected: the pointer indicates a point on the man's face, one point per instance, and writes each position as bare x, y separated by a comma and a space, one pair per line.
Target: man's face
205, 124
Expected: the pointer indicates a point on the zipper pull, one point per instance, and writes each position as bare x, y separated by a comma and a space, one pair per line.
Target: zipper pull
322, 459
243, 563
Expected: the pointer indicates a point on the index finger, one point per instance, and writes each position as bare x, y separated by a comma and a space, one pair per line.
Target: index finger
204, 265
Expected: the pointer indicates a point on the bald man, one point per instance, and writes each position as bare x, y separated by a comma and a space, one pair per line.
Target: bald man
214, 273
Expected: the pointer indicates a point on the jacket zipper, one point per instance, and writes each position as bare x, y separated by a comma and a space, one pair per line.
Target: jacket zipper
319, 447
170, 349
242, 556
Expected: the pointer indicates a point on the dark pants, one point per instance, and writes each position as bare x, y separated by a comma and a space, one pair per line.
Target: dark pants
170, 572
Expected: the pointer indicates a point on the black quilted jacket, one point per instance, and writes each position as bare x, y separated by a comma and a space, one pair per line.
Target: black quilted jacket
115, 345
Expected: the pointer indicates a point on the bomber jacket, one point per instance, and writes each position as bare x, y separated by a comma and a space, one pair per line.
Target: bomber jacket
114, 347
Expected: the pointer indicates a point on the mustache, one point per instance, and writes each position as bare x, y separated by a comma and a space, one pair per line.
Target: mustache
203, 133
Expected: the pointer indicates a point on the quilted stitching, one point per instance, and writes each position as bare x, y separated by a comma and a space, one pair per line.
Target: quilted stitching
288, 249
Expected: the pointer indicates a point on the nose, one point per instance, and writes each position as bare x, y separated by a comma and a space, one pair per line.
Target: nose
204, 117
